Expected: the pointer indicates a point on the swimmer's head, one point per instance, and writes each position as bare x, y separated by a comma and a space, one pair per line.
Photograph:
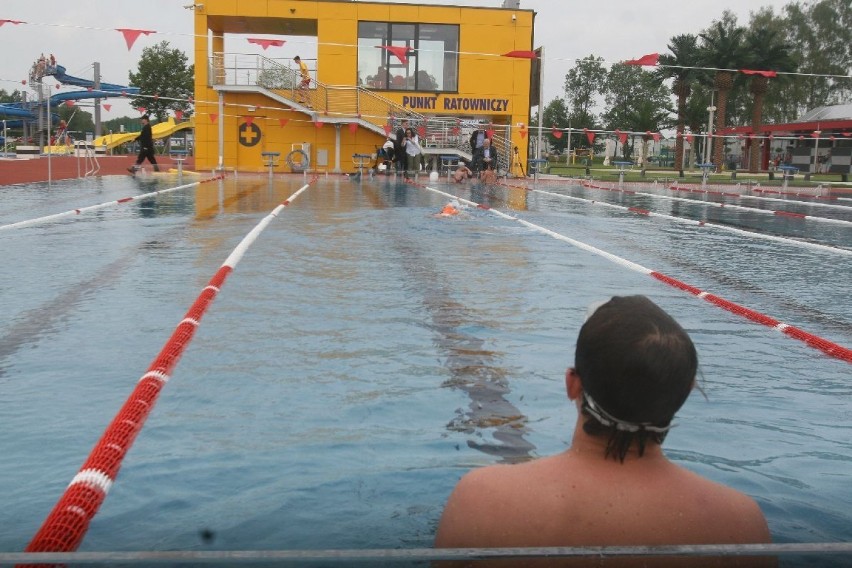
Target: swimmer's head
637, 366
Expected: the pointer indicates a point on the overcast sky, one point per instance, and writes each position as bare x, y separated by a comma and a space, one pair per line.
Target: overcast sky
568, 30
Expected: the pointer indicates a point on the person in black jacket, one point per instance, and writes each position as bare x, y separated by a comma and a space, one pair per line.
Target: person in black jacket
146, 147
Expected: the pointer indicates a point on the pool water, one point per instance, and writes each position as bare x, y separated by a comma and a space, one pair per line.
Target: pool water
365, 354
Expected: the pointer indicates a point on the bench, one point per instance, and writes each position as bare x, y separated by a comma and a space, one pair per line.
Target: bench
360, 161
449, 161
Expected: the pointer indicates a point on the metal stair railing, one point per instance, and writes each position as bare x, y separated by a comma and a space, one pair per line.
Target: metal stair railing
356, 102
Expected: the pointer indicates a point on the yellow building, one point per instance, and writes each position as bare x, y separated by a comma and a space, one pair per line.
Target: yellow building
446, 69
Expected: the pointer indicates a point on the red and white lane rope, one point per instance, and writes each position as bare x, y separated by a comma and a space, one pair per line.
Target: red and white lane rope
777, 213
646, 213
770, 199
67, 523
824, 345
81, 210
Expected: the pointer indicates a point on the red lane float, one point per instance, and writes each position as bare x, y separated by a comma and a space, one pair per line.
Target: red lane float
66, 525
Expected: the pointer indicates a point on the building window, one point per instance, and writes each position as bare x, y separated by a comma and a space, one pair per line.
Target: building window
408, 57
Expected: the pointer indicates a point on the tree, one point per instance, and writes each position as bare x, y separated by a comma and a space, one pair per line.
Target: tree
13, 97
582, 85
767, 50
555, 115
164, 79
636, 101
680, 65
723, 49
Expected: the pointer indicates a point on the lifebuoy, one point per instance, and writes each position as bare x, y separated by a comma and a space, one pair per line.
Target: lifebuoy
303, 162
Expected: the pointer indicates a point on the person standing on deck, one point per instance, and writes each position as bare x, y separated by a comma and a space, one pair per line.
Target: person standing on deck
304, 81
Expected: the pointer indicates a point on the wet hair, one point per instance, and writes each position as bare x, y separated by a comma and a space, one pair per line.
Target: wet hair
637, 366
146, 117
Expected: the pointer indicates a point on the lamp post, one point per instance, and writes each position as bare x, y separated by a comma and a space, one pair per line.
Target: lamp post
707, 146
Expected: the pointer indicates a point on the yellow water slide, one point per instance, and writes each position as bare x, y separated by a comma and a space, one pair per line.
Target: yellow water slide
159, 130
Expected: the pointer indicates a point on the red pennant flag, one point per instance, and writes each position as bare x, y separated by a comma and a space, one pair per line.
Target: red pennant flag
816, 133
388, 129
650, 59
847, 134
178, 114
264, 43
107, 107
213, 116
521, 54
318, 123
353, 127
523, 133
689, 138
589, 135
282, 122
622, 136
141, 110
16, 22
69, 103
130, 36
763, 73
656, 136
771, 136
556, 133
24, 82
249, 120
421, 131
489, 133
401, 51
455, 130
801, 137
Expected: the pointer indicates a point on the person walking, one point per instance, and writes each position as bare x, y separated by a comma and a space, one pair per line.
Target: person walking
146, 147
304, 81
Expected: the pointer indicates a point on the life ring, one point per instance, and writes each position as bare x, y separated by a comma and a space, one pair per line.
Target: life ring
303, 162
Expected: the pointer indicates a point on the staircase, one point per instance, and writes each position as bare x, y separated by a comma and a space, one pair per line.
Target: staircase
334, 104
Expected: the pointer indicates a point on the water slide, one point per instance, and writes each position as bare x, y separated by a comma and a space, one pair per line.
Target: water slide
25, 111
159, 130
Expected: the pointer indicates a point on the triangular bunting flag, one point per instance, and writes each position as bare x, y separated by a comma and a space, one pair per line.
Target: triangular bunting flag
24, 82
556, 132
388, 129
401, 51
489, 133
455, 130
264, 43
353, 127
521, 54
16, 22
318, 123
213, 116
107, 107
763, 73
523, 133
69, 102
650, 59
816, 133
421, 131
282, 122
178, 114
622, 136
141, 110
130, 36
689, 138
656, 136
590, 135
249, 120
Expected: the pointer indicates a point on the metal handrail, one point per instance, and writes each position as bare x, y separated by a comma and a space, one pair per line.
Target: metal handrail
353, 101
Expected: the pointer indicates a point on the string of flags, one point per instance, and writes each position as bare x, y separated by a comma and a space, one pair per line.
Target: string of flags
402, 53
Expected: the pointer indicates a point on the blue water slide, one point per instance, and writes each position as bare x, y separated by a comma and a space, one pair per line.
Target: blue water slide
16, 110
58, 72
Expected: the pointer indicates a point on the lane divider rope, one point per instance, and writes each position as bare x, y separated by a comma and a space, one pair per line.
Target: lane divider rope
81, 210
66, 525
645, 212
824, 345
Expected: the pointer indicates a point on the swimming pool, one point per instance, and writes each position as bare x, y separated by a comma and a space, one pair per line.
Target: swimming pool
365, 354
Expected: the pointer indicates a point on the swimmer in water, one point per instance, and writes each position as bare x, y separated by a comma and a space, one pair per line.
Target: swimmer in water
451, 209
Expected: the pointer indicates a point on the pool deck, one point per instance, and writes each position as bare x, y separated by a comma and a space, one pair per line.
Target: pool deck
15, 171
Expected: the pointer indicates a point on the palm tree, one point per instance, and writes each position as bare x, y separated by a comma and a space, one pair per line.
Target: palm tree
767, 50
680, 65
723, 50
